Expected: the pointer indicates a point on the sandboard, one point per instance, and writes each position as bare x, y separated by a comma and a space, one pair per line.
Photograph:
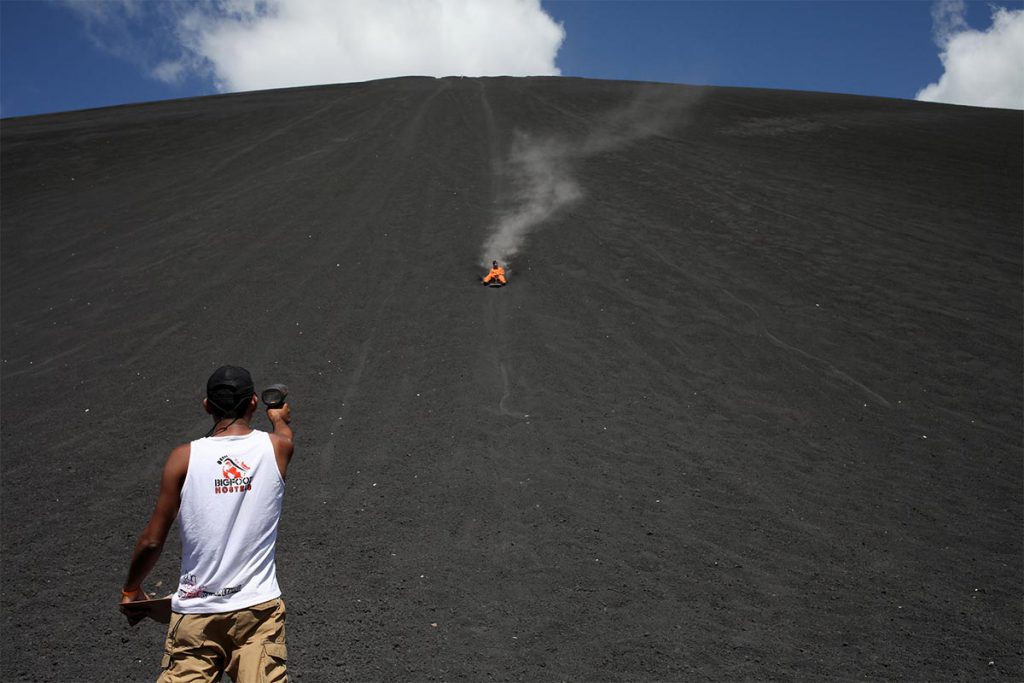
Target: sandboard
157, 609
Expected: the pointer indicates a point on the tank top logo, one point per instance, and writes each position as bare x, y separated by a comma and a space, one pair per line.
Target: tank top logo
234, 476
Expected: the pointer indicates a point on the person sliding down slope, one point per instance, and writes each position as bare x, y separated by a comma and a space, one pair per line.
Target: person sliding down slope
497, 274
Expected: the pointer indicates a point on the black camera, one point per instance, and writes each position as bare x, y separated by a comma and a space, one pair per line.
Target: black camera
274, 395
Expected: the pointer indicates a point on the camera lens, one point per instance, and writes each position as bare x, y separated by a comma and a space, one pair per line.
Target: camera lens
274, 396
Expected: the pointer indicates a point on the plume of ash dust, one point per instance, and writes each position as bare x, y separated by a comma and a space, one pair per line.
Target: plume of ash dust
539, 169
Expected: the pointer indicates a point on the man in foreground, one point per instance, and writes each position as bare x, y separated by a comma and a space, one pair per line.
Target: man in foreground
226, 488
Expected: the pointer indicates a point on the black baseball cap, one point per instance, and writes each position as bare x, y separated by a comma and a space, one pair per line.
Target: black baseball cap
228, 388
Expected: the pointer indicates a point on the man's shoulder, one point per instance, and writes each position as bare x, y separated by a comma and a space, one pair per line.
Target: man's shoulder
177, 461
282, 445
278, 439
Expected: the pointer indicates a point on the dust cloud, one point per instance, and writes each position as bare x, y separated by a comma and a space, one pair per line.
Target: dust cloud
537, 175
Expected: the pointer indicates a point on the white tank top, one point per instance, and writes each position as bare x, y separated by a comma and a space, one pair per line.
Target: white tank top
230, 506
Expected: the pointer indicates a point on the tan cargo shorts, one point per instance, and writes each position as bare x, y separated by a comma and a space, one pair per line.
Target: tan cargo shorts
247, 644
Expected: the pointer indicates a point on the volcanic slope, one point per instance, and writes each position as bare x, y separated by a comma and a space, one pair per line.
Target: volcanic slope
749, 408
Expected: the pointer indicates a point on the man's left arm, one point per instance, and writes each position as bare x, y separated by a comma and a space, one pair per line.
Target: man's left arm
151, 541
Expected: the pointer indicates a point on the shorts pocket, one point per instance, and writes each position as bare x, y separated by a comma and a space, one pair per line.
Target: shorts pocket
275, 662
166, 672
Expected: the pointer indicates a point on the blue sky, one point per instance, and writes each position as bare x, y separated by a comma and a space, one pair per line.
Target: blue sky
66, 55
868, 48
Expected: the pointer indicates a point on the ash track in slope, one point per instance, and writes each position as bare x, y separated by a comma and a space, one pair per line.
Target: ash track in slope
683, 499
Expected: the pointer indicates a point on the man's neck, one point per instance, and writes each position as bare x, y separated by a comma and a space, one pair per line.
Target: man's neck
230, 426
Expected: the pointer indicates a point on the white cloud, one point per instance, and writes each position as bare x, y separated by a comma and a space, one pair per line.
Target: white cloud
982, 68
113, 26
947, 20
258, 44
172, 72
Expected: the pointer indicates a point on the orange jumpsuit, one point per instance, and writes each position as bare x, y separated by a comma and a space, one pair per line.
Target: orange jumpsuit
496, 274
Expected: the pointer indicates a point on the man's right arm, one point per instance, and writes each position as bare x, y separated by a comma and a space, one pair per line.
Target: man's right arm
281, 437
151, 541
